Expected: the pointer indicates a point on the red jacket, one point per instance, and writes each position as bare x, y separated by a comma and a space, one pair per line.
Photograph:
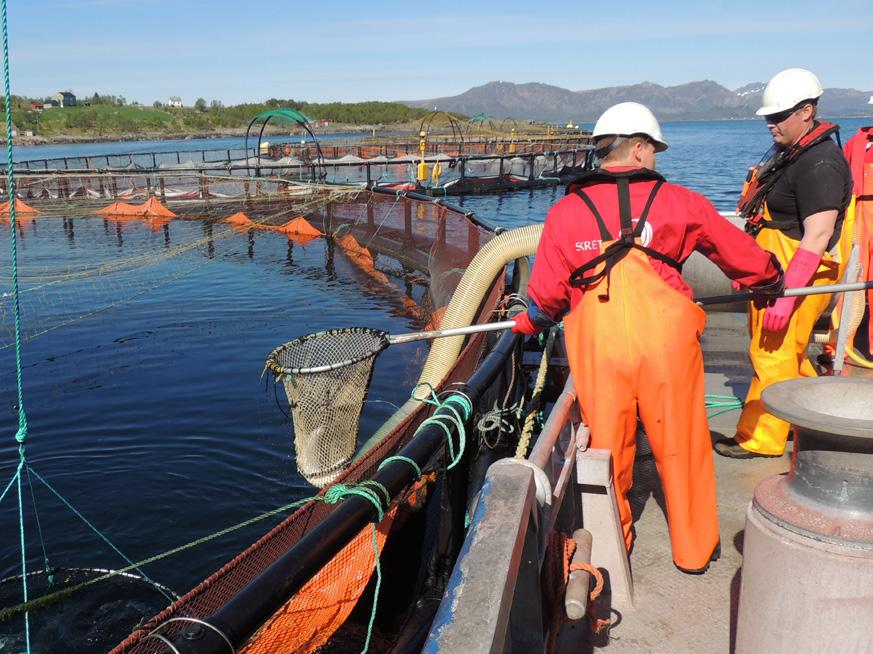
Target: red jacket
679, 222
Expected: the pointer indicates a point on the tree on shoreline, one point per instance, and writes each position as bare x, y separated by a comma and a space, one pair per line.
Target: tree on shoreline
110, 115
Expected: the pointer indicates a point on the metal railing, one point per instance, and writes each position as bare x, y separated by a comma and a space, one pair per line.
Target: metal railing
493, 600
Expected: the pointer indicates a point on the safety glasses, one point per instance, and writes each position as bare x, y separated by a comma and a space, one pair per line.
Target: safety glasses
782, 116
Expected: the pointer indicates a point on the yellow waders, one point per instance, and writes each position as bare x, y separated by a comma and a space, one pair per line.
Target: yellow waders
777, 356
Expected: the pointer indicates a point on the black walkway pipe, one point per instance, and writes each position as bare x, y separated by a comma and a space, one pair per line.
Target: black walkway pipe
242, 615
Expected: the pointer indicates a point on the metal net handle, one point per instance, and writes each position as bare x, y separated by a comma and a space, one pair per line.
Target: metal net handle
451, 331
383, 340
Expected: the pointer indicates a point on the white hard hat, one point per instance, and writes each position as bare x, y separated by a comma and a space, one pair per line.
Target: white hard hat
788, 89
627, 119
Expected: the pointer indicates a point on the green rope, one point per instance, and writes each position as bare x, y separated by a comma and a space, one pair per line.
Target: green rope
21, 435
21, 531
7, 612
370, 491
9, 485
405, 459
724, 404
10, 176
45, 558
375, 590
102, 536
458, 416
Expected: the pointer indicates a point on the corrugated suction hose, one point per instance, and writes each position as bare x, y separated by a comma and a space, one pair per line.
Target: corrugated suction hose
466, 300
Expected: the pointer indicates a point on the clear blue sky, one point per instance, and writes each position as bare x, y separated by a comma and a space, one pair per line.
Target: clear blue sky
237, 51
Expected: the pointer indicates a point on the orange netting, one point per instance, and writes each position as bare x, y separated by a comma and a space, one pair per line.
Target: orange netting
299, 230
436, 318
321, 607
151, 208
239, 219
119, 209
361, 257
20, 209
299, 226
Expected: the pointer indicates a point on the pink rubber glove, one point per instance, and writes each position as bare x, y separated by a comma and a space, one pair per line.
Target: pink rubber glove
524, 325
803, 265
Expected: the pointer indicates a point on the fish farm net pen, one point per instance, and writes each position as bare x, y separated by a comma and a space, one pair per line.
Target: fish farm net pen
101, 241
124, 237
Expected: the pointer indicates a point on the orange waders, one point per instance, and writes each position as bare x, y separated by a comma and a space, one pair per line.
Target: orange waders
777, 356
633, 345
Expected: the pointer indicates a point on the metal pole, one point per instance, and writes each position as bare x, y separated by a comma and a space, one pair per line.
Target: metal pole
789, 292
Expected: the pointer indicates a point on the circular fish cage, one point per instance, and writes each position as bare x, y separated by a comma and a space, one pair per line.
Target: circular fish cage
73, 610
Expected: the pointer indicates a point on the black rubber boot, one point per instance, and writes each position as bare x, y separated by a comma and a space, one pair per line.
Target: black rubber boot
730, 448
715, 556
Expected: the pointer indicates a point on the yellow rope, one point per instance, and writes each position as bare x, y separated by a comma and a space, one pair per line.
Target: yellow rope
533, 405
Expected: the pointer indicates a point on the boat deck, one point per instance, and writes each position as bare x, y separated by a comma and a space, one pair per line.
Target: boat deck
675, 612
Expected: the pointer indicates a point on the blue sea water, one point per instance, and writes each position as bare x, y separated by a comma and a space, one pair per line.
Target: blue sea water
145, 401
710, 157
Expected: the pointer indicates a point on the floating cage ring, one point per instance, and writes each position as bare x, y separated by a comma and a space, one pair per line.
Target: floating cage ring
58, 575
155, 633
326, 350
116, 602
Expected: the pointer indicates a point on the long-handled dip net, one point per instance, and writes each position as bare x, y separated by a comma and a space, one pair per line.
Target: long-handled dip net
326, 376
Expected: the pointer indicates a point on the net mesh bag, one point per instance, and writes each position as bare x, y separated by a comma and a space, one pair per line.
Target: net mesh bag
326, 376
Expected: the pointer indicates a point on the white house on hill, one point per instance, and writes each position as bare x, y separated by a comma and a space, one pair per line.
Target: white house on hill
175, 101
64, 99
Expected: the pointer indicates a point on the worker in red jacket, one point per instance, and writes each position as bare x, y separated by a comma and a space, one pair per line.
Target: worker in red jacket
609, 262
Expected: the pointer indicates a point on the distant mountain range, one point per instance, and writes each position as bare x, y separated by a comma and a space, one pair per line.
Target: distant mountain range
692, 101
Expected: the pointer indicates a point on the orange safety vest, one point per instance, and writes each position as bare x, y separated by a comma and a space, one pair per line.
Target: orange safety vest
633, 347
